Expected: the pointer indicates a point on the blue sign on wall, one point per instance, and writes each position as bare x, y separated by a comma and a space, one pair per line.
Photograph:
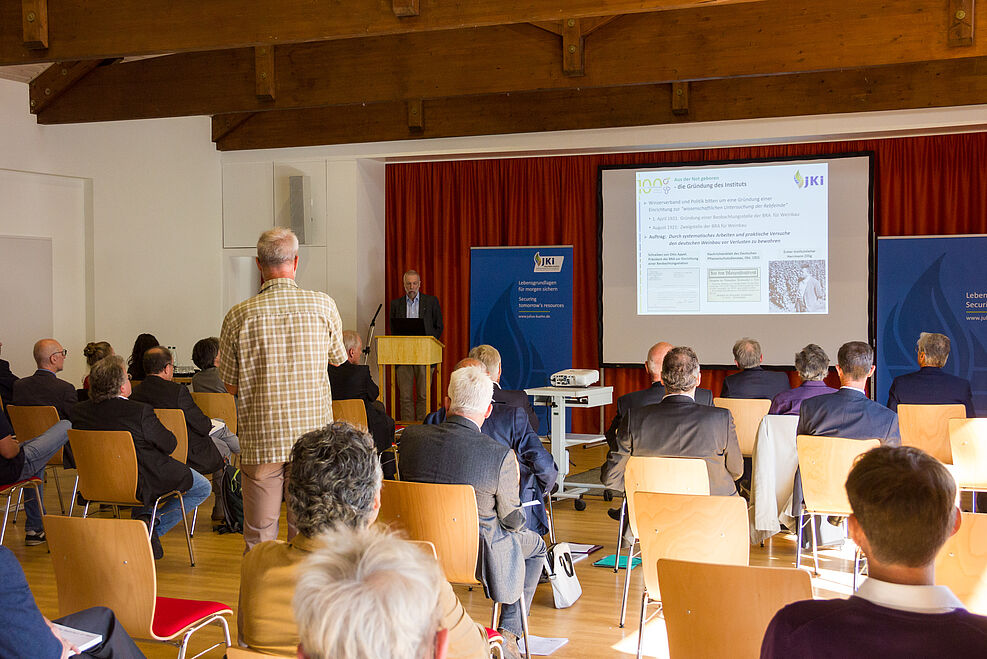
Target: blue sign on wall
521, 304
932, 284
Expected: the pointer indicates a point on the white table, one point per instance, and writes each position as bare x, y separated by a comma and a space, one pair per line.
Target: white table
558, 399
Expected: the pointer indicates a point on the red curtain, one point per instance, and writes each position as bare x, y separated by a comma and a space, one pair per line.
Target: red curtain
436, 211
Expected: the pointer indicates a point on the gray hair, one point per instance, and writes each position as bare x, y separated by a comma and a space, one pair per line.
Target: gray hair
812, 362
351, 339
410, 272
470, 390
489, 356
747, 352
335, 478
680, 370
935, 347
277, 246
855, 359
365, 594
106, 377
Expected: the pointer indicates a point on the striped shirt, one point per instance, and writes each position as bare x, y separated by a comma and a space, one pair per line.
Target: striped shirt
275, 348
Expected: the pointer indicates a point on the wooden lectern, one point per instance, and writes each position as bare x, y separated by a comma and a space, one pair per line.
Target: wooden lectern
411, 351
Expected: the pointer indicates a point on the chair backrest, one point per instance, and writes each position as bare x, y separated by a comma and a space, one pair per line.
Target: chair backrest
968, 441
353, 411
962, 563
747, 414
104, 562
927, 427
825, 463
240, 653
669, 475
444, 515
174, 420
724, 610
217, 406
712, 529
29, 421
107, 464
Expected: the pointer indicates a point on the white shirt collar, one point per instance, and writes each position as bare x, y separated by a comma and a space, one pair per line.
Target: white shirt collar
854, 389
691, 395
917, 599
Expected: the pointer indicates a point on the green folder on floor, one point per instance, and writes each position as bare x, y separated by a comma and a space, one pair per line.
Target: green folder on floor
607, 561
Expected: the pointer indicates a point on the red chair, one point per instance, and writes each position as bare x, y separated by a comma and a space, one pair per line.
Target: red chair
16, 488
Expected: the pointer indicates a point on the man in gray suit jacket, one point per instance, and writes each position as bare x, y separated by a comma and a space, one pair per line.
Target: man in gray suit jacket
679, 427
411, 379
511, 557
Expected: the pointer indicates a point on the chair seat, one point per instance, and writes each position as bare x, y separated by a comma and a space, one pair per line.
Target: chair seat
493, 636
172, 616
10, 486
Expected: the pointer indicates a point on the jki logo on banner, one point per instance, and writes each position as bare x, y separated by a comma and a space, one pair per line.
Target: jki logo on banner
548, 263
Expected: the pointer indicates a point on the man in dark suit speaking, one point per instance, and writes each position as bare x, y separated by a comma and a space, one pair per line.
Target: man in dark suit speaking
679, 427
411, 379
511, 557
930, 385
753, 381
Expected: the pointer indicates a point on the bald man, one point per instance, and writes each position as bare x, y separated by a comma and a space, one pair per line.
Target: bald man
44, 387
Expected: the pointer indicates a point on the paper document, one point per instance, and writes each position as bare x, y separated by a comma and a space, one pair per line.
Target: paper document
577, 548
80, 639
217, 425
542, 646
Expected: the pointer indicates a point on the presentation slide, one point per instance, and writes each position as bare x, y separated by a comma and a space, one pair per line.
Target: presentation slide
704, 254
749, 240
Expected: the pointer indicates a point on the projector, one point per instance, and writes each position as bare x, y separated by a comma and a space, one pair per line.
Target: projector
575, 377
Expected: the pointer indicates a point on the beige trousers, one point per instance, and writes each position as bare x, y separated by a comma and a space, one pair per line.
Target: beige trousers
265, 486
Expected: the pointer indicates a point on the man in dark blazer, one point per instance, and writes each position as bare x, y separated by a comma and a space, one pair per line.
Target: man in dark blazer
753, 381
411, 379
490, 357
680, 427
904, 509
108, 408
930, 385
849, 413
352, 381
509, 426
7, 380
44, 387
511, 556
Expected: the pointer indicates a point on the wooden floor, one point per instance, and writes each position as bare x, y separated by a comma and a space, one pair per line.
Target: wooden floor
590, 625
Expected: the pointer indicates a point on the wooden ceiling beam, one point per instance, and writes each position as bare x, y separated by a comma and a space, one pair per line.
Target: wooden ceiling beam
34, 15
905, 86
768, 38
58, 79
98, 29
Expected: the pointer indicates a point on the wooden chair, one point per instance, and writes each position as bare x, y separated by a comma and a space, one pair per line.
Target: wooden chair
927, 427
240, 653
107, 464
217, 406
962, 563
654, 474
29, 421
712, 529
16, 488
968, 441
747, 414
825, 463
724, 610
353, 411
445, 516
108, 562
174, 421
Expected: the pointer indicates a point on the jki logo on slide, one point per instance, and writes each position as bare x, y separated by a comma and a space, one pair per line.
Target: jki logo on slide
807, 181
548, 263
645, 185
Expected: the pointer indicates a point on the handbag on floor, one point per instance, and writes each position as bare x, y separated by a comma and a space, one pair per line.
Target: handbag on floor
562, 575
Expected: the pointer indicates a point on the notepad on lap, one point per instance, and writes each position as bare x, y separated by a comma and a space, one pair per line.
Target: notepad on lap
77, 637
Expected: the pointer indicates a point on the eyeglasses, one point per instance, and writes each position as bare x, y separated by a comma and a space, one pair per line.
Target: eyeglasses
62, 352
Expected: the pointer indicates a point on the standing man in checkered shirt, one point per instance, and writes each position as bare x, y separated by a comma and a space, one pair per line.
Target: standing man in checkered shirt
274, 350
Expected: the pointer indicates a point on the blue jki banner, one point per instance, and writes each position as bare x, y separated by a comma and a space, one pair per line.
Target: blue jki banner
932, 284
521, 304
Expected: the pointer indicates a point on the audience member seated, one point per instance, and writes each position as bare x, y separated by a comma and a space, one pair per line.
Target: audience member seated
930, 385
93, 352
160, 391
753, 381
848, 413
44, 387
205, 355
335, 481
904, 509
680, 427
490, 358
108, 408
512, 557
27, 633
509, 426
812, 363
135, 365
352, 381
26, 459
367, 593
7, 380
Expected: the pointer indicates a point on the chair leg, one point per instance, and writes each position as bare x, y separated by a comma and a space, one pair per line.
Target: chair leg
495, 615
188, 535
20, 499
6, 514
640, 629
856, 566
85, 510
58, 488
815, 549
75, 490
627, 580
551, 518
973, 501
620, 536
524, 627
195, 513
798, 542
